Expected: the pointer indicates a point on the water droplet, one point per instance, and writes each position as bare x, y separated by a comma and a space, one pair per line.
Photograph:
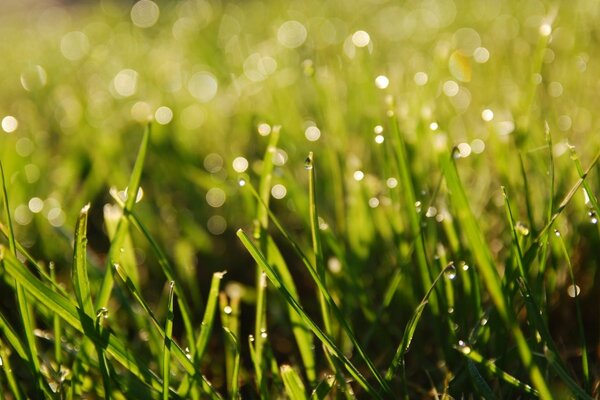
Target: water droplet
557, 233
463, 347
308, 164
431, 212
263, 333
593, 217
483, 322
379, 139
358, 175
451, 310
464, 266
418, 206
573, 291
227, 310
251, 338
450, 270
242, 182
522, 229
102, 313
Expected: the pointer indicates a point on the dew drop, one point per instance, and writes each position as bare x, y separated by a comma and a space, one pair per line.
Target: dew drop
227, 310
483, 322
308, 164
242, 182
463, 347
573, 291
418, 206
451, 310
593, 217
450, 270
464, 266
431, 212
557, 233
263, 333
251, 338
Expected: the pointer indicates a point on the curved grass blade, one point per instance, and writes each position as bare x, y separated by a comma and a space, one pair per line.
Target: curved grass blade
25, 310
260, 260
323, 388
487, 268
484, 390
584, 351
83, 294
234, 344
332, 305
68, 311
292, 383
123, 225
491, 368
8, 372
167, 347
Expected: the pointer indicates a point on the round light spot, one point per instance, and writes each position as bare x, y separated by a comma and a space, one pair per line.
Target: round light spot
358, 175
564, 122
555, 89
216, 225
278, 191
35, 205
34, 78
291, 34
378, 129
74, 46
203, 86
213, 163
487, 115
264, 129
125, 82
56, 217
334, 265
163, 115
373, 202
141, 111
421, 78
382, 82
312, 133
280, 157
464, 150
573, 290
477, 146
24, 147
23, 215
379, 139
145, 13
9, 124
434, 126
361, 38
240, 164
545, 29
481, 55
215, 197
391, 182
451, 88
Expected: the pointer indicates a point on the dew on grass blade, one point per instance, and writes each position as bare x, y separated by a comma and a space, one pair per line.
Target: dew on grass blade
378, 129
593, 217
431, 212
557, 232
382, 82
450, 310
242, 182
263, 333
379, 139
433, 126
308, 163
487, 115
227, 310
421, 78
373, 202
240, 164
102, 313
464, 347
464, 266
450, 270
278, 191
418, 206
361, 39
251, 338
334, 265
573, 291
264, 129
391, 183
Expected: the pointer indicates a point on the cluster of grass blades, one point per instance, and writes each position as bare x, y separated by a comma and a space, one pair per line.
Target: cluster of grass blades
87, 347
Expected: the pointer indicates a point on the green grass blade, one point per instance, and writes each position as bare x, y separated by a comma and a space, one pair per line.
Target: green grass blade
483, 389
167, 347
326, 294
122, 227
493, 369
56, 323
584, 350
68, 311
260, 259
410, 328
292, 383
5, 366
487, 268
25, 311
323, 388
209, 315
302, 334
233, 343
167, 269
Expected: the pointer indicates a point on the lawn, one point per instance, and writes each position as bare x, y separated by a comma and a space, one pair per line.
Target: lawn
342, 199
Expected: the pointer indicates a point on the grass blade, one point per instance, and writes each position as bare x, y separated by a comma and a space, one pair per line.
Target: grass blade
8, 372
167, 346
260, 259
323, 388
122, 226
488, 271
233, 343
292, 383
332, 305
483, 389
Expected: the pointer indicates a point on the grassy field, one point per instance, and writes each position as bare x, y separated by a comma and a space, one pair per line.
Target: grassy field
342, 199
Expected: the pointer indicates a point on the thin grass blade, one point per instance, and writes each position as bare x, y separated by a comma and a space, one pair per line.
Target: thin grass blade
292, 383
234, 344
167, 347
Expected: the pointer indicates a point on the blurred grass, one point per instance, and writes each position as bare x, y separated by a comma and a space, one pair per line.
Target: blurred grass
418, 114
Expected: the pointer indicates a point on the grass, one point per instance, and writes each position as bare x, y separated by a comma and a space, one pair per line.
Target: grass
299, 200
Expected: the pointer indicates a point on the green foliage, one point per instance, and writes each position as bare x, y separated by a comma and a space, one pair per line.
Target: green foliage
404, 196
